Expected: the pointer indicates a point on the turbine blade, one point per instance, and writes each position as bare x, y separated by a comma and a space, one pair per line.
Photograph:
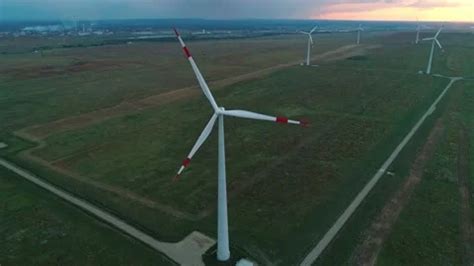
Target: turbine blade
438, 32
257, 116
202, 138
304, 32
311, 39
438, 43
312, 30
427, 39
200, 78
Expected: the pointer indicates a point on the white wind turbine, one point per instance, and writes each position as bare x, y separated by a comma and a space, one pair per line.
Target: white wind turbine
434, 40
359, 29
223, 252
310, 43
418, 28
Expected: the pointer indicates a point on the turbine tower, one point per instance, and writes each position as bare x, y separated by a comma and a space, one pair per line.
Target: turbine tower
418, 28
223, 252
310, 43
434, 40
359, 29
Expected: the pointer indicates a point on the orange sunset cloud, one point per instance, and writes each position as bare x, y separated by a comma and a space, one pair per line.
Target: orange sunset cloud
424, 10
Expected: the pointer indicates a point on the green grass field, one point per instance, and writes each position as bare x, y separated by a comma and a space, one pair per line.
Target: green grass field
287, 185
39, 228
72, 81
429, 230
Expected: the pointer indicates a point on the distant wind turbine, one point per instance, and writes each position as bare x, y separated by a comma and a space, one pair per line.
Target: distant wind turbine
358, 33
434, 41
418, 28
223, 252
310, 43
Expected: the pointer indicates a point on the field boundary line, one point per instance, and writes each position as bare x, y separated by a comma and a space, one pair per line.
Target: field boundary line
118, 191
188, 252
314, 254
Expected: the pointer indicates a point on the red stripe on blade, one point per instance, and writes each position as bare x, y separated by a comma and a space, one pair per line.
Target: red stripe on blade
281, 119
186, 162
176, 32
186, 51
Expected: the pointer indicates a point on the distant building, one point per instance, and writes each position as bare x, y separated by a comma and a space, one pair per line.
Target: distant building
40, 29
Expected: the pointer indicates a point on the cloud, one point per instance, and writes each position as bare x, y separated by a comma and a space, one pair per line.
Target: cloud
435, 4
357, 6
212, 9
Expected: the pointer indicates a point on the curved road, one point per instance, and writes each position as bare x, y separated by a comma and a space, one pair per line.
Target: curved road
186, 252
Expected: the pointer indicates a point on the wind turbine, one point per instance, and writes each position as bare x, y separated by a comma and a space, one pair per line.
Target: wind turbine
418, 28
359, 29
223, 252
434, 40
310, 43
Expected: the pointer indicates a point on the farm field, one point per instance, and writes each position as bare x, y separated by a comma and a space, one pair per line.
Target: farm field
434, 196
444, 195
37, 228
79, 80
286, 184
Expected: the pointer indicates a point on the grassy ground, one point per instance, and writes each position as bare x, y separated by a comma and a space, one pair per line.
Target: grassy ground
359, 108
355, 122
340, 251
401, 55
38, 228
456, 61
72, 81
429, 230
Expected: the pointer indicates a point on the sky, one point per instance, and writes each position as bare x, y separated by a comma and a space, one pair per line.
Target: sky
423, 10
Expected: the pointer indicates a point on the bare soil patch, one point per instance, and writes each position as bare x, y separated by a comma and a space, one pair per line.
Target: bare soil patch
366, 253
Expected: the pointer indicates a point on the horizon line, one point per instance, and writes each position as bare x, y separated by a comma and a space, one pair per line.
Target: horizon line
234, 19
